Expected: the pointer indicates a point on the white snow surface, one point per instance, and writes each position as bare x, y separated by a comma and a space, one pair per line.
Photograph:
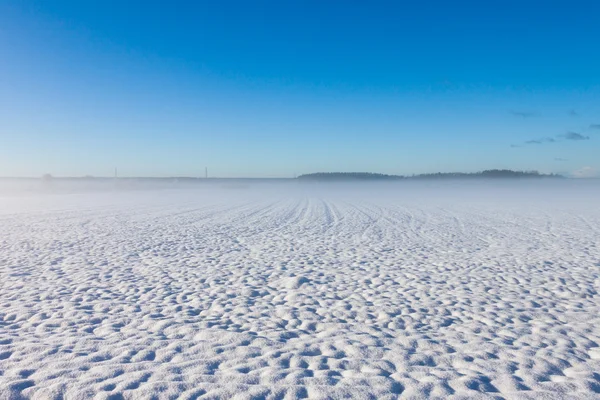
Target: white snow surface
284, 291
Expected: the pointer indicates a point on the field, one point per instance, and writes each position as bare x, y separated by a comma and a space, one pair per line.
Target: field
280, 291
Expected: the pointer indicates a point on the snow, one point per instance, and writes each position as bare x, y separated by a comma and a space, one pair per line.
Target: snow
252, 291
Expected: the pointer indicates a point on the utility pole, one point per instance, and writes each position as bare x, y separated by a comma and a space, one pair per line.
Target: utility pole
206, 172
116, 173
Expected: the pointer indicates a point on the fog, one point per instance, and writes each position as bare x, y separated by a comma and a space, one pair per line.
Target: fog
21, 196
438, 191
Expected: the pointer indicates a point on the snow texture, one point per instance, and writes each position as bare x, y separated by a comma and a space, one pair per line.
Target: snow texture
281, 293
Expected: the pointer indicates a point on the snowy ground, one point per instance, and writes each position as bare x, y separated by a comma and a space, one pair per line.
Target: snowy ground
283, 292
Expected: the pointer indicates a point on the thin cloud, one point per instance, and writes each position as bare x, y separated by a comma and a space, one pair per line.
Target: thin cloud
560, 159
514, 146
573, 113
595, 126
541, 141
575, 136
523, 114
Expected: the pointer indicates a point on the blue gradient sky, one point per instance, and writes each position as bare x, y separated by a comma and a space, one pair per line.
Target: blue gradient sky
270, 88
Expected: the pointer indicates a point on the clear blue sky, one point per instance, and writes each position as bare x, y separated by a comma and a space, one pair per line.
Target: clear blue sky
273, 88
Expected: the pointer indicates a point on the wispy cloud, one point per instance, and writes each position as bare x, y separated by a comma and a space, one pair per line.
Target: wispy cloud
573, 113
560, 159
575, 136
514, 146
595, 126
541, 141
523, 114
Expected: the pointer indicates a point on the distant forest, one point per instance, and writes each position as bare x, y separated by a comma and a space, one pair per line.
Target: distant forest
491, 173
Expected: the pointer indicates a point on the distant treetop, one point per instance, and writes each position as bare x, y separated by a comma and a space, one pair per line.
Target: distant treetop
348, 176
492, 173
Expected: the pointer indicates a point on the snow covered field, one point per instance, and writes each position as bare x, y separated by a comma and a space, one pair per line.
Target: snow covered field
281, 291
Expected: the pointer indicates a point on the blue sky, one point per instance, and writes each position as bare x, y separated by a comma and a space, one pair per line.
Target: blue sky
273, 89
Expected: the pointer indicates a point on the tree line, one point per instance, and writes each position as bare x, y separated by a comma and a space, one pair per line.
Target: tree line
491, 173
